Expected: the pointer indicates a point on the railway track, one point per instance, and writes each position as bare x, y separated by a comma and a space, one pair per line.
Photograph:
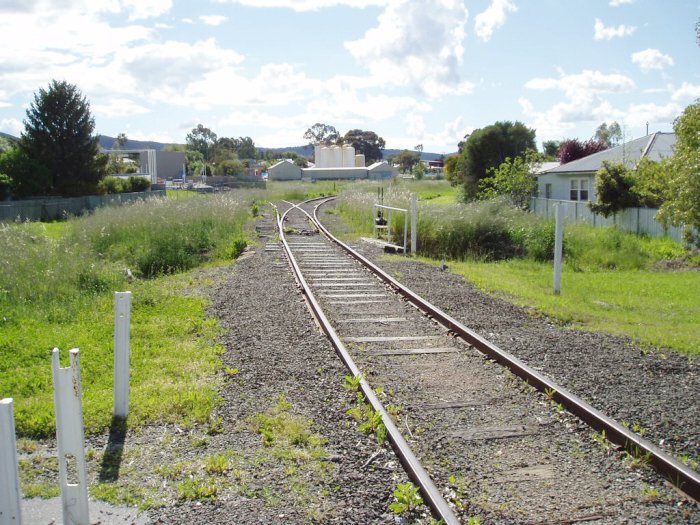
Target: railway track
461, 414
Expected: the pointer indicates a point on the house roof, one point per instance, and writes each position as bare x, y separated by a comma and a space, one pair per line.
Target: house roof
654, 147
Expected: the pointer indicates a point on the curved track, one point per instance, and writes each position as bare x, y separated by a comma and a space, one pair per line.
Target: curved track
462, 407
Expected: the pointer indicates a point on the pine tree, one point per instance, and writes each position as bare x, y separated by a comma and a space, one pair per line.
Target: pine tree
59, 134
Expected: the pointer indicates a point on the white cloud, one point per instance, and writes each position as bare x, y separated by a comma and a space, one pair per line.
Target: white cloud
306, 5
213, 20
12, 126
618, 3
640, 114
584, 83
601, 32
687, 91
492, 18
139, 9
651, 59
118, 107
417, 43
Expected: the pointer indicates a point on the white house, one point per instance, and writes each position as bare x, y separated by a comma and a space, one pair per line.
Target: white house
575, 181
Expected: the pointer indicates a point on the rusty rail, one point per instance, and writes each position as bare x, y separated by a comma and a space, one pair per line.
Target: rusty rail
683, 477
431, 494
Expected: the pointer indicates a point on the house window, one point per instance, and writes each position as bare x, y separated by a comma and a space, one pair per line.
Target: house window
578, 190
547, 191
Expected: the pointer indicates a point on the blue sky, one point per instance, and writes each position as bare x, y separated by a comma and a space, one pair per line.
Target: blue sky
414, 71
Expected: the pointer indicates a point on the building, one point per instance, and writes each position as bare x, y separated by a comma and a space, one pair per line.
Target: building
575, 180
334, 163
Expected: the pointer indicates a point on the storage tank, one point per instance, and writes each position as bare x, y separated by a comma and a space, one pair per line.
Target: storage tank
360, 160
317, 155
325, 157
348, 157
336, 157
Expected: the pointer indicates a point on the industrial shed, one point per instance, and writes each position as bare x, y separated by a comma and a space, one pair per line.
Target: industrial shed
284, 170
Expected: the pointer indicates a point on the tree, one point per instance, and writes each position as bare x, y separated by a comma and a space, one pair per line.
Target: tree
120, 141
418, 170
651, 182
610, 135
613, 189
515, 178
682, 205
203, 140
418, 148
26, 176
59, 135
550, 149
406, 160
322, 135
366, 142
574, 149
488, 148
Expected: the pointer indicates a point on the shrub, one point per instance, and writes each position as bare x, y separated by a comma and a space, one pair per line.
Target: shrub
110, 185
138, 183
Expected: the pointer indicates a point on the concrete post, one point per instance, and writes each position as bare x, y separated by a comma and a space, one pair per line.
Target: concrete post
558, 245
10, 496
414, 223
72, 475
122, 351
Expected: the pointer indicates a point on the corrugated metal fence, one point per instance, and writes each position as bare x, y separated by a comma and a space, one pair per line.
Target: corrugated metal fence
635, 220
49, 209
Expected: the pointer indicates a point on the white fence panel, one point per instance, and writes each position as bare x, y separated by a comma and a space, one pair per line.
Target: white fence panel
10, 496
635, 220
72, 475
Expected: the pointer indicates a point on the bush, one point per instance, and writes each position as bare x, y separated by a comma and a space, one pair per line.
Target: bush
110, 185
138, 183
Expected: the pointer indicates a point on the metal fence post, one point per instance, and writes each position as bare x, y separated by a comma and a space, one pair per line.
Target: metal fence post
558, 245
122, 322
69, 434
10, 496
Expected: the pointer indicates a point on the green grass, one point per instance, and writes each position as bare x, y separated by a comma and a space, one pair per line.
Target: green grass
656, 308
56, 284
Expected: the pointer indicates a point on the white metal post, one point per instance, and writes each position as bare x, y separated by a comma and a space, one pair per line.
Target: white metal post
558, 245
71, 443
414, 223
122, 351
10, 496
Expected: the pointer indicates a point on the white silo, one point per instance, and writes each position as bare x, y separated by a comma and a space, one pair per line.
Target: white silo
317, 155
325, 157
336, 157
348, 157
360, 160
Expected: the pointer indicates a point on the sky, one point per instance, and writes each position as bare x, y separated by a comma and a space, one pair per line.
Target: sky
413, 71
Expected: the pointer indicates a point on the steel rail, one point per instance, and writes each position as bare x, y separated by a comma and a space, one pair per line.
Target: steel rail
429, 491
683, 477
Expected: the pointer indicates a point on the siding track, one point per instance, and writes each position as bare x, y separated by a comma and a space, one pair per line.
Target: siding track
496, 447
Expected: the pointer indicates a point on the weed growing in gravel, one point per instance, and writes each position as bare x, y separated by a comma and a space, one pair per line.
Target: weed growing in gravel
407, 499
352, 383
216, 464
650, 493
369, 421
118, 493
602, 440
194, 489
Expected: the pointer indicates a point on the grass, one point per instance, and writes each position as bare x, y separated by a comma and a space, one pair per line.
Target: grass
653, 307
56, 284
610, 283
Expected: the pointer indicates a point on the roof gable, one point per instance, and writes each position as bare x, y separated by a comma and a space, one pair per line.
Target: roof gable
654, 147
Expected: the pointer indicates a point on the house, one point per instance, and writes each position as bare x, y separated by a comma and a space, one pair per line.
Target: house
575, 180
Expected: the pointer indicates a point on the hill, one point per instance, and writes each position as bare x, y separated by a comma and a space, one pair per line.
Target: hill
106, 142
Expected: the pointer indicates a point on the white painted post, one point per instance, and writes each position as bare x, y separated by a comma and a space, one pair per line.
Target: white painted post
122, 322
71, 443
414, 223
10, 496
558, 245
